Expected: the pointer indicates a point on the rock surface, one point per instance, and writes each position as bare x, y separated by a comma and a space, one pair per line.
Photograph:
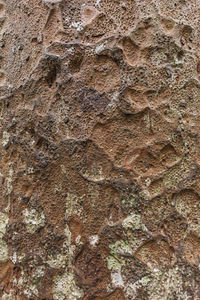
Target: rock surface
100, 153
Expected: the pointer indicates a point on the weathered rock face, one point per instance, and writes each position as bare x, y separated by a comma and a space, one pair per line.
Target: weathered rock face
100, 154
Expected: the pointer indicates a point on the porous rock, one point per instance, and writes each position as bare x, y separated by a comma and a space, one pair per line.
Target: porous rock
100, 159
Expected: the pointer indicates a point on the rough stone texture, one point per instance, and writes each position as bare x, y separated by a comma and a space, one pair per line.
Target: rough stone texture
100, 153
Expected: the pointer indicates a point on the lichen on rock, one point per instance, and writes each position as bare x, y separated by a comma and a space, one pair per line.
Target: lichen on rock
100, 160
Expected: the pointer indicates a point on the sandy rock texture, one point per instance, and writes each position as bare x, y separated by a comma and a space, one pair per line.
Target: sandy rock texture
100, 152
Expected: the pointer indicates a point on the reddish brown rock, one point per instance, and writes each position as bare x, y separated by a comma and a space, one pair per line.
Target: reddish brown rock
99, 142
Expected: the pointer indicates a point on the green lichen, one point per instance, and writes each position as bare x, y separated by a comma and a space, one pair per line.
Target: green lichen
117, 251
114, 263
145, 280
129, 202
119, 247
134, 222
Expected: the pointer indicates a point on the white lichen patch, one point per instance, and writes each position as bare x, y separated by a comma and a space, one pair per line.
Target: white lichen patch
5, 138
131, 288
51, 1
167, 284
78, 240
9, 296
9, 180
39, 272
93, 239
3, 223
33, 219
77, 25
164, 284
3, 251
116, 278
14, 257
99, 49
30, 170
3, 246
56, 262
20, 257
64, 287
98, 3
30, 283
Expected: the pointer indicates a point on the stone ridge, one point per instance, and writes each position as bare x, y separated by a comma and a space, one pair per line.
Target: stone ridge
100, 154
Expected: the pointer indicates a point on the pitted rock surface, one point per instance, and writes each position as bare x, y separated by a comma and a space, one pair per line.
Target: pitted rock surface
100, 152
